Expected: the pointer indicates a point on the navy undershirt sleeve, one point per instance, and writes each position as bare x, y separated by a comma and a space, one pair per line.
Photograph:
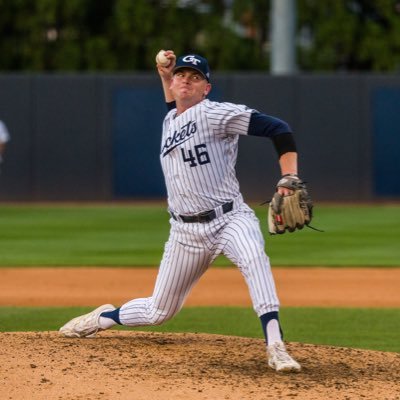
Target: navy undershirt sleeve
171, 105
267, 126
274, 128
284, 143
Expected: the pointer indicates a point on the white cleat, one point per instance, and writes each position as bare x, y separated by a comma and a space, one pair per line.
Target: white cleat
280, 360
86, 325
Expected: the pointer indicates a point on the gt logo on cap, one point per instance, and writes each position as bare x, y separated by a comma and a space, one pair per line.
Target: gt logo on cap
191, 59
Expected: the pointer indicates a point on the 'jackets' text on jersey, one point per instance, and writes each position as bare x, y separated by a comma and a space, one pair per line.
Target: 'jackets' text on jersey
179, 136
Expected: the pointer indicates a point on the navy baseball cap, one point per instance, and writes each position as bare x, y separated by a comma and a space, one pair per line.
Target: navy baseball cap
194, 61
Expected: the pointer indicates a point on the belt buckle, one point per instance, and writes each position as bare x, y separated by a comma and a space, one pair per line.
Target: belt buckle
206, 216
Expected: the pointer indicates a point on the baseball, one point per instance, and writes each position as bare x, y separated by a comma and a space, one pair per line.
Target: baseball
161, 59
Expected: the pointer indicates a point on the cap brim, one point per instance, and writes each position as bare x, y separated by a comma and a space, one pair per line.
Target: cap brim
190, 67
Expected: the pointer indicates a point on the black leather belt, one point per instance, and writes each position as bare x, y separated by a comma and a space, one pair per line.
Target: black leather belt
206, 216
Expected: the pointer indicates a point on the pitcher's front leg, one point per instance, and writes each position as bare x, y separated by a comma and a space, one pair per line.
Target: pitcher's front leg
181, 267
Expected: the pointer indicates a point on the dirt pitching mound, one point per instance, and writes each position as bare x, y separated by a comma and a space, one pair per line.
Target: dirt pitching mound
154, 366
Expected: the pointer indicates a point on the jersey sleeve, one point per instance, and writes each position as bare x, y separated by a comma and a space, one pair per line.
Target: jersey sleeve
228, 118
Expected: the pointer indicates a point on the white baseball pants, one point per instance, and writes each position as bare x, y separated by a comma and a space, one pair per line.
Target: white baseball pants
190, 249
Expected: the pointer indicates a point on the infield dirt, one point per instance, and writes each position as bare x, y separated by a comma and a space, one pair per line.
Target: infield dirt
154, 366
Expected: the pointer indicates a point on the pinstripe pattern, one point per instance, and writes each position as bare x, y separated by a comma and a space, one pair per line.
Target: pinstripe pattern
198, 156
215, 126
189, 251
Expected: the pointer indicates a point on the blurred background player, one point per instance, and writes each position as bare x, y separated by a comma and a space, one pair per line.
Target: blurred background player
4, 138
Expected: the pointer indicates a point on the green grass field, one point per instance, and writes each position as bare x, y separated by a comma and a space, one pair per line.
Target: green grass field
359, 328
134, 235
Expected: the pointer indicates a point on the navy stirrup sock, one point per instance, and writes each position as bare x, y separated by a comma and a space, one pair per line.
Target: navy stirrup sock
114, 315
265, 318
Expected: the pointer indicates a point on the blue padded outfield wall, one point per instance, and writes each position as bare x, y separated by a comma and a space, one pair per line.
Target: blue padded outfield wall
96, 137
137, 118
386, 142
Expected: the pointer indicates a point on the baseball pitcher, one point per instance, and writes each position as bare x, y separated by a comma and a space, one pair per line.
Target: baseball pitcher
198, 151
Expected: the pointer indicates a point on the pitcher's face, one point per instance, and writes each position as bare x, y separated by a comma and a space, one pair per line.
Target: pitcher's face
189, 85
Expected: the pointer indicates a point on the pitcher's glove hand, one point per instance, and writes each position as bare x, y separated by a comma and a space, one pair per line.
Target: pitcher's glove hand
289, 212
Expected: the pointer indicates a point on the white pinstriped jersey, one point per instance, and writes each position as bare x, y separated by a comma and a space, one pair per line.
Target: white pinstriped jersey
198, 155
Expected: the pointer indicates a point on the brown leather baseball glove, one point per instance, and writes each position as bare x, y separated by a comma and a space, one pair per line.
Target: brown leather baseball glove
290, 212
